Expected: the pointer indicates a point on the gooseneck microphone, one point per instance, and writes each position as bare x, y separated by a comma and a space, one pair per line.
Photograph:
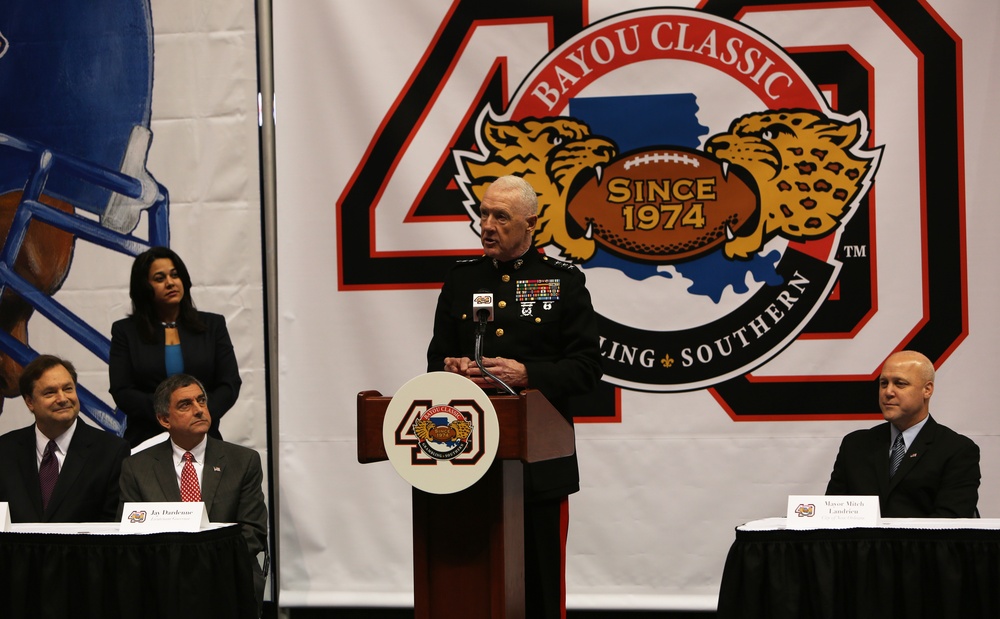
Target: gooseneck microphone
482, 309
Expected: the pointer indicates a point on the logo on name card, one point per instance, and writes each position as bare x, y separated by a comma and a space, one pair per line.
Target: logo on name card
833, 512
137, 516
806, 510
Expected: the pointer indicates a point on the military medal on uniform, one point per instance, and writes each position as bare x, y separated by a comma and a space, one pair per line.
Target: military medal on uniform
537, 295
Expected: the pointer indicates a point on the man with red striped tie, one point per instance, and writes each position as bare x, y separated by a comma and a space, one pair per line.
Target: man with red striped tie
193, 466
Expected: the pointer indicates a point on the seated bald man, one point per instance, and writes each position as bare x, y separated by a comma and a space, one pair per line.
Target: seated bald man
917, 467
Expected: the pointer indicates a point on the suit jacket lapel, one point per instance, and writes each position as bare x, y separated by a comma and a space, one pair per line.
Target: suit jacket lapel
164, 471
916, 451
212, 472
27, 462
880, 459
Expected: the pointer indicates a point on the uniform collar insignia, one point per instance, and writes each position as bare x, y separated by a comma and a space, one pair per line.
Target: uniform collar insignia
517, 264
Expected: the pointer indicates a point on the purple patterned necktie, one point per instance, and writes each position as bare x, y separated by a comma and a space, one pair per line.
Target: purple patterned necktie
48, 473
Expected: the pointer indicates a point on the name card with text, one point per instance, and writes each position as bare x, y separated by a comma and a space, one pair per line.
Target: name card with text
831, 512
4, 517
163, 518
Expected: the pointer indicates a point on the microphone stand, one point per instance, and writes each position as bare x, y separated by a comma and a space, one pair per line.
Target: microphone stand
479, 354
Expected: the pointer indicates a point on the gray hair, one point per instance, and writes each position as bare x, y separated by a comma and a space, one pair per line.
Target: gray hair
161, 397
524, 192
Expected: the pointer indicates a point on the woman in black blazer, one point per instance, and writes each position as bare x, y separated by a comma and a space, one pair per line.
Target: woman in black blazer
166, 335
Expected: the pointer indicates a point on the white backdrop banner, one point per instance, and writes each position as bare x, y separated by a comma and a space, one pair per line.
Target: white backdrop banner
98, 84
766, 201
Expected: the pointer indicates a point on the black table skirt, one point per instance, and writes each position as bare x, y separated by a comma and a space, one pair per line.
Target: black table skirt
861, 573
164, 575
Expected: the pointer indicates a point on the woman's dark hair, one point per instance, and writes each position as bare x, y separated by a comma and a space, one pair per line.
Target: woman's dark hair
141, 293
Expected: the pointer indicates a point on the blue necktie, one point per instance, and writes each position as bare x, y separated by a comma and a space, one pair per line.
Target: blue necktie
896, 456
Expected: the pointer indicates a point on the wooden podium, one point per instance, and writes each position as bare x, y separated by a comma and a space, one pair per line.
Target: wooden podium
468, 547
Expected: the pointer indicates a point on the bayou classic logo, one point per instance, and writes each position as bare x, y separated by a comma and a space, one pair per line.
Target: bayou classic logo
707, 222
443, 432
806, 510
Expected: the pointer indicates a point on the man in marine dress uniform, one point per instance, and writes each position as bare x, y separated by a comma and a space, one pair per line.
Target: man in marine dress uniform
543, 336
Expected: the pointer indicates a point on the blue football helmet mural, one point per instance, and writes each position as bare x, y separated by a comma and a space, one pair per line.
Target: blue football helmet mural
77, 81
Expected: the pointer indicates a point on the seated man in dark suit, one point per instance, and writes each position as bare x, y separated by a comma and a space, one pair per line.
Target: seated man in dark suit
917, 467
59, 469
193, 466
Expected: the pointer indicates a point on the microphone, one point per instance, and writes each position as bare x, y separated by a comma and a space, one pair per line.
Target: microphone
482, 309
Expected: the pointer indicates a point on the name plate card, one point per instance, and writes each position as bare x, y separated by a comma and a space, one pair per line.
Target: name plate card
831, 512
4, 517
163, 518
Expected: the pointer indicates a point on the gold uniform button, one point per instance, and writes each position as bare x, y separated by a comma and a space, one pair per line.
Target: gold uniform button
499, 332
502, 304
464, 316
537, 320
505, 278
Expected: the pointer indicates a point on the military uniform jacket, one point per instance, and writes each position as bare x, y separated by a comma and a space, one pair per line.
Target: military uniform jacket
543, 318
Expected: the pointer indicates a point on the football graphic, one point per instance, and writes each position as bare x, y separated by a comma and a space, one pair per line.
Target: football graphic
664, 205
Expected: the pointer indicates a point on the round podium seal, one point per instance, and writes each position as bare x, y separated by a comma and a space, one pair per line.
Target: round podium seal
441, 432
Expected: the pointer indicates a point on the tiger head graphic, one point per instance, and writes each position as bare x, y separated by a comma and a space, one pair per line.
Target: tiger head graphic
549, 153
810, 171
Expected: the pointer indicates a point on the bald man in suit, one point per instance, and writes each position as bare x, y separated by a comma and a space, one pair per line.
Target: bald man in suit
938, 471
228, 476
88, 460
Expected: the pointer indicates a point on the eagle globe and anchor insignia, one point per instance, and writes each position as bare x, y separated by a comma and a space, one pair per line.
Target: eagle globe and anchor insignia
441, 432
